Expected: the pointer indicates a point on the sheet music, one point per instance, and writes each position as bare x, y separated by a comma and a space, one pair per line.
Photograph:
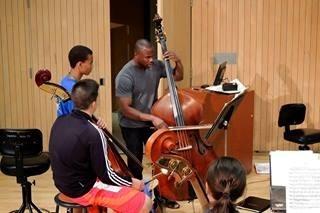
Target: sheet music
298, 173
281, 161
303, 189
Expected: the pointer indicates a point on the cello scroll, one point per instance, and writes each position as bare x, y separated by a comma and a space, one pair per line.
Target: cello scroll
58, 92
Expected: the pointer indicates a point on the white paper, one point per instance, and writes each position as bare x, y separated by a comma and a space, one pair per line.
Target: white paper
281, 160
299, 173
218, 88
262, 168
303, 189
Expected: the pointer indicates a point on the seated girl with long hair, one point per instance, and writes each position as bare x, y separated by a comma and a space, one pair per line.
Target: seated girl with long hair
226, 182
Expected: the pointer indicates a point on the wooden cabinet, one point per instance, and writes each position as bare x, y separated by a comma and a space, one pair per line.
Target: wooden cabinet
239, 134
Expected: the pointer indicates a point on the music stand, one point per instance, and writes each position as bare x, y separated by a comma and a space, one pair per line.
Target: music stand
222, 120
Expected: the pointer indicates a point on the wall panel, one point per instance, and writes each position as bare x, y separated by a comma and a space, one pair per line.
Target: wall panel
2, 68
177, 26
13, 54
278, 56
38, 34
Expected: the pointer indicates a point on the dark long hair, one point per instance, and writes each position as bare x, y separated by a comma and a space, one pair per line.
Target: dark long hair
226, 179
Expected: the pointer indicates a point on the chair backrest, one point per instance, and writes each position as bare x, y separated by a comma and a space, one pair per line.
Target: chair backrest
291, 114
29, 140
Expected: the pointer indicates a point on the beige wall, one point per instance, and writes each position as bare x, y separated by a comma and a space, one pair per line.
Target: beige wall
177, 26
278, 48
38, 34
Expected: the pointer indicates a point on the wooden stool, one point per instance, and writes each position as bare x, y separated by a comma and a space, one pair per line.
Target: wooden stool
64, 201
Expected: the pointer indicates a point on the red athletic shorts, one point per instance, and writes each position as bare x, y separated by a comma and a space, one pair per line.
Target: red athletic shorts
119, 199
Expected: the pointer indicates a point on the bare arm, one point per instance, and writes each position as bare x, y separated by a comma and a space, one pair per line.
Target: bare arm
178, 70
132, 113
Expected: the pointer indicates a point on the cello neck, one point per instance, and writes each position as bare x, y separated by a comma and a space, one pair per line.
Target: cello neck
113, 140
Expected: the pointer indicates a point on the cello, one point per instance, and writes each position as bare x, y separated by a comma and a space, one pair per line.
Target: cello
182, 152
58, 92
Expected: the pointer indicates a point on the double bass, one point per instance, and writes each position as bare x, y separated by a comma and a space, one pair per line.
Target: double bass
182, 152
42, 79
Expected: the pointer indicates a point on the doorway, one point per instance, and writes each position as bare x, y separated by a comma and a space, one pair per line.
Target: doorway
130, 20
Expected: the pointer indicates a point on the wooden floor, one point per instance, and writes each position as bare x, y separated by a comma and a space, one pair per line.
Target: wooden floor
44, 190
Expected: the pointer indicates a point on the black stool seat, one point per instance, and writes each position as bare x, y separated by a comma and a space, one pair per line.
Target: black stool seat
303, 136
61, 200
31, 165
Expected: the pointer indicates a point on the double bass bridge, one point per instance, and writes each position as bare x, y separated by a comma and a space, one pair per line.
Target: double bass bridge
189, 147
